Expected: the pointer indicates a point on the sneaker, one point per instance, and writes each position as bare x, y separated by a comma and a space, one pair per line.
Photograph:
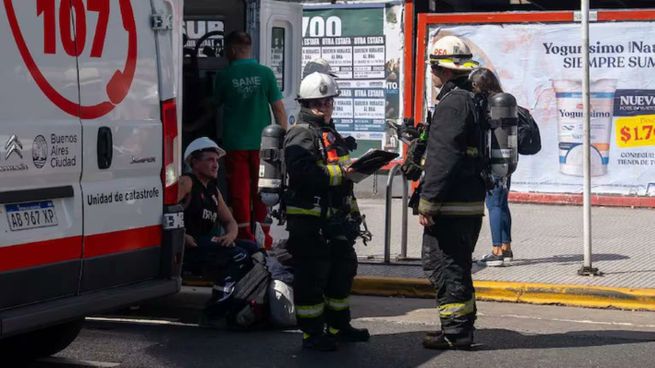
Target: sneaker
441, 341
492, 260
350, 334
319, 342
508, 256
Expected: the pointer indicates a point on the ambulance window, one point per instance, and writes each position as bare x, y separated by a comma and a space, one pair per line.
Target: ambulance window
210, 34
278, 51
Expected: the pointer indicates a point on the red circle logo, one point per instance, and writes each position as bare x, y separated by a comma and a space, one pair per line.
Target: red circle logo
119, 84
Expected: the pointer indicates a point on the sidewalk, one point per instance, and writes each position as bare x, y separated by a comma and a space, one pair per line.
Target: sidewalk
547, 244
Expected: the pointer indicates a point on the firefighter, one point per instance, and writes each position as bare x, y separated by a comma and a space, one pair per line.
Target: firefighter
451, 205
323, 218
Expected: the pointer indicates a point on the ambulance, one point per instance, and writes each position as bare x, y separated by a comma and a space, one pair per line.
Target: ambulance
89, 161
91, 128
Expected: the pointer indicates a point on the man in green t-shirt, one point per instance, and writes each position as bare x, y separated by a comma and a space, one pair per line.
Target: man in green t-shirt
246, 89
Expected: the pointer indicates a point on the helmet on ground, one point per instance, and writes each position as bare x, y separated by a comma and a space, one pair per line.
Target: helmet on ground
202, 144
317, 85
318, 65
451, 52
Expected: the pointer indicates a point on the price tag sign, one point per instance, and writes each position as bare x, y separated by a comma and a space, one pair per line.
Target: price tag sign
635, 131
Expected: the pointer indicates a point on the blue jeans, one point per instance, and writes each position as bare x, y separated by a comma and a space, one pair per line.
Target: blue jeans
500, 219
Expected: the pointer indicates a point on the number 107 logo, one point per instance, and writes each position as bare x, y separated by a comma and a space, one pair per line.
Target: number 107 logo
70, 19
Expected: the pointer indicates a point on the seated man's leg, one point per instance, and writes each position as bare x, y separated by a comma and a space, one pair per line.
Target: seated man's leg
229, 265
247, 245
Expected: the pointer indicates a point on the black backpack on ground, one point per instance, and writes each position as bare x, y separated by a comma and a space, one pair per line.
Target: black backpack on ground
239, 295
249, 302
529, 139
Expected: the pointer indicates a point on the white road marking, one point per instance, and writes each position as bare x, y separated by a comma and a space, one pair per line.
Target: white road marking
582, 321
429, 317
66, 362
153, 322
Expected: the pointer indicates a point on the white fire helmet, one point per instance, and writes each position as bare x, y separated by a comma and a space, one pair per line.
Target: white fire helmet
318, 65
317, 85
451, 52
201, 144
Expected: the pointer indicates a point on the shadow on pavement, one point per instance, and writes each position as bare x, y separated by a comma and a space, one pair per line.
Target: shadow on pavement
175, 346
222, 349
501, 339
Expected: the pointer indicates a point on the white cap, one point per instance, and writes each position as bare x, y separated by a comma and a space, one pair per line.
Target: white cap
318, 65
451, 52
317, 85
201, 144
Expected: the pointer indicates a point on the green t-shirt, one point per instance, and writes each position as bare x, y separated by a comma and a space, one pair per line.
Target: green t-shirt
245, 89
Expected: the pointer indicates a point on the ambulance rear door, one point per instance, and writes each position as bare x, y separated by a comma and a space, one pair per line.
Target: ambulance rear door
40, 156
123, 142
280, 37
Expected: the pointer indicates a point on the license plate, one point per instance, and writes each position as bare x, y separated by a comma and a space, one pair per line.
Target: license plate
23, 216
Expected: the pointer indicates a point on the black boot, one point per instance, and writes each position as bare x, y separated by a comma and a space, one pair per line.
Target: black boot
350, 334
319, 342
441, 341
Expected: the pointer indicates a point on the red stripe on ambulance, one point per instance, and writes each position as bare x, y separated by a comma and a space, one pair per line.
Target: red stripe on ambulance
122, 241
68, 249
40, 253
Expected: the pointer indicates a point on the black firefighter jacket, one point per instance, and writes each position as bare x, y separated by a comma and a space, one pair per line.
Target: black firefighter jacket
452, 184
316, 155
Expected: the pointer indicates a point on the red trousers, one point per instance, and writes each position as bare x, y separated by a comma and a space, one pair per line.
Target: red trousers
242, 177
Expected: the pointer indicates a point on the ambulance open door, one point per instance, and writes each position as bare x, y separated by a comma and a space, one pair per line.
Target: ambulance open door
279, 40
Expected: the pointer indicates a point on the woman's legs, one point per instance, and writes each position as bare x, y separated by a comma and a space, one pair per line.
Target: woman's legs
500, 224
496, 201
506, 223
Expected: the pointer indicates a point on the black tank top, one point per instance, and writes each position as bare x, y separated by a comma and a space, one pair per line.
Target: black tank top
201, 208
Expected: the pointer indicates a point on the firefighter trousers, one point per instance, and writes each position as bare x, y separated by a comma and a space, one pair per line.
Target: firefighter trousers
447, 260
323, 277
242, 178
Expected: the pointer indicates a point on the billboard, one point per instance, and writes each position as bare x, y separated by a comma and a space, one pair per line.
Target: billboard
540, 64
363, 44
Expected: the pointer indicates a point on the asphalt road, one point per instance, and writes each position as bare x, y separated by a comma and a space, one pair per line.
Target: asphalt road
511, 335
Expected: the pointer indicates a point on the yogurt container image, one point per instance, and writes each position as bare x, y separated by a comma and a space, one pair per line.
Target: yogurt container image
568, 94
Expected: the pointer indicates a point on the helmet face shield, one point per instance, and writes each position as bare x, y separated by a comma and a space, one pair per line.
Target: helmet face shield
323, 102
454, 63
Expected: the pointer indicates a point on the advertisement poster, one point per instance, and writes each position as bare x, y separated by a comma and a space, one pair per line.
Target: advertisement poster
363, 44
540, 64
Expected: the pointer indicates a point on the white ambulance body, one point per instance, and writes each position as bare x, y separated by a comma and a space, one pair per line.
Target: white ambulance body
89, 160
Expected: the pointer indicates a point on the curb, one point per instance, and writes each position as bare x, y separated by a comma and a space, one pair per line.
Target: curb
516, 292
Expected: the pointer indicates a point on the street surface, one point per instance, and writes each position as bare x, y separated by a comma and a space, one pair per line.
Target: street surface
511, 335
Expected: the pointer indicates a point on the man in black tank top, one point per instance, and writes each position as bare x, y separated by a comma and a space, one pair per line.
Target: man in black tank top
211, 230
